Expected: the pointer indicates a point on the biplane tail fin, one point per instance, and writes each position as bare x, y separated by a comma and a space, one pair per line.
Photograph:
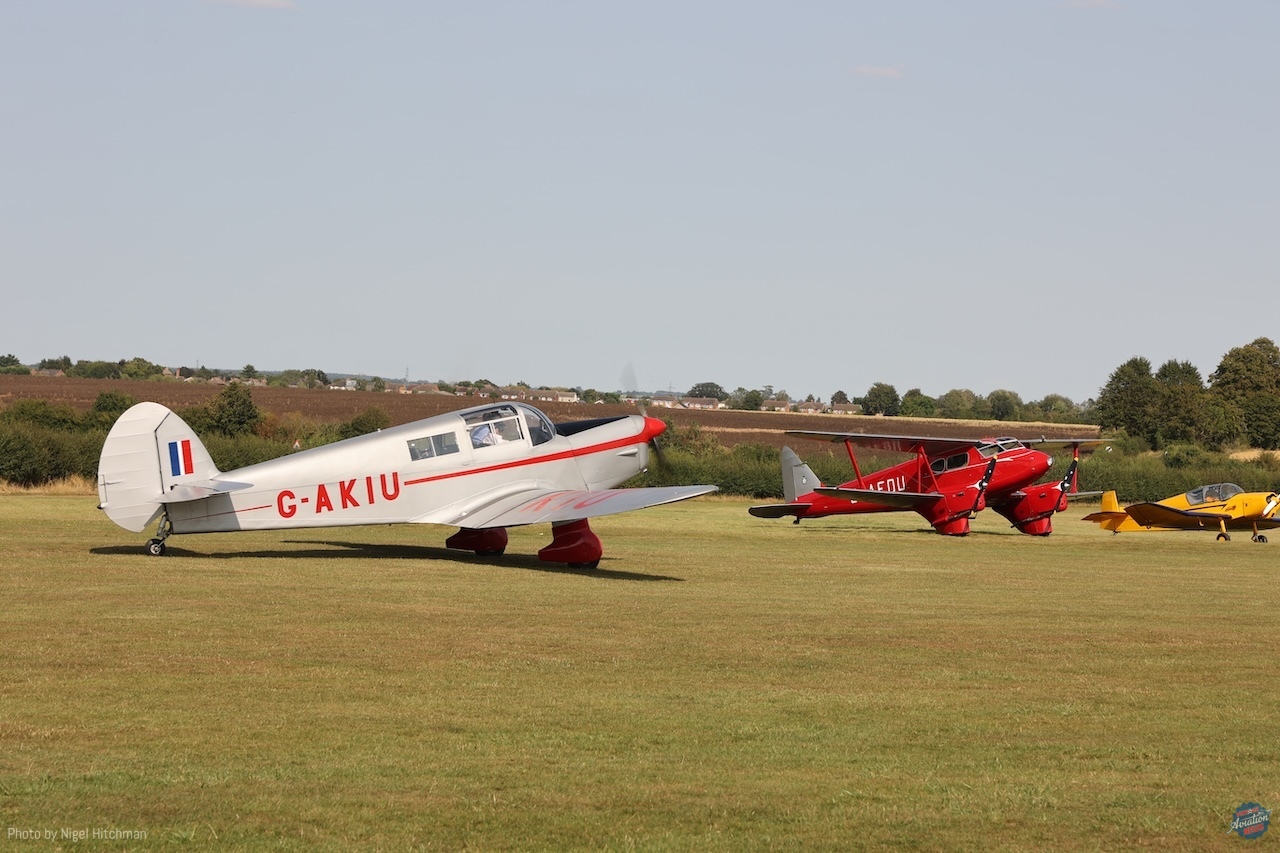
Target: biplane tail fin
150, 458
797, 477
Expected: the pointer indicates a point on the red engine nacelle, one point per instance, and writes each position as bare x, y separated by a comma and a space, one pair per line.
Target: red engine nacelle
1033, 513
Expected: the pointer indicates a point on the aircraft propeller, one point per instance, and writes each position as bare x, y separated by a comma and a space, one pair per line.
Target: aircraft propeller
629, 384
1069, 477
1273, 501
983, 483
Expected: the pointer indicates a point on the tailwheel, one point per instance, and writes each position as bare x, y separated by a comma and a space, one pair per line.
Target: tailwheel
1260, 539
155, 547
1224, 537
594, 564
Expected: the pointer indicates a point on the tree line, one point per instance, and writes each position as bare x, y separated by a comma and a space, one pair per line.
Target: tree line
41, 442
1239, 404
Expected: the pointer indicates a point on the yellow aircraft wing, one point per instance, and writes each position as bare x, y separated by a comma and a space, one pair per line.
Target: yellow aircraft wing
1159, 515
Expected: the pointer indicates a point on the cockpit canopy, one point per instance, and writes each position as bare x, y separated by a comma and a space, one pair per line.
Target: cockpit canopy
1213, 494
998, 445
502, 422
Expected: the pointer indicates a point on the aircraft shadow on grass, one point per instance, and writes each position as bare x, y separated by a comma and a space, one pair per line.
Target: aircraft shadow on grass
363, 550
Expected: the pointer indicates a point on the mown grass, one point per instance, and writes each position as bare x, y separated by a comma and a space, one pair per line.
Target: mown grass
721, 682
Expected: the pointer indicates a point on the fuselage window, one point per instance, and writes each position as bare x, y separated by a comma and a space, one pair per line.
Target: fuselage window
955, 460
432, 445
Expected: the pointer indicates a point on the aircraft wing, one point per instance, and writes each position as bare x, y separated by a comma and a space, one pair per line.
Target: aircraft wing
897, 443
541, 505
1087, 445
1159, 515
901, 500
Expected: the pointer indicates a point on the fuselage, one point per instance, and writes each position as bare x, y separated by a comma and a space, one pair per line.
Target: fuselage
1226, 506
953, 476
433, 470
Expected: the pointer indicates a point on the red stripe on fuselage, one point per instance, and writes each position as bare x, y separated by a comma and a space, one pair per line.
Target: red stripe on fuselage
518, 463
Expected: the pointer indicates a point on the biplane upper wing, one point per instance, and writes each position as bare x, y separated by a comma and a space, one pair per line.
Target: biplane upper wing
539, 505
1052, 444
902, 500
896, 443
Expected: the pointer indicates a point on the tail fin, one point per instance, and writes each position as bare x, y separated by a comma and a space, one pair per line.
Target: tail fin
149, 452
1110, 516
797, 477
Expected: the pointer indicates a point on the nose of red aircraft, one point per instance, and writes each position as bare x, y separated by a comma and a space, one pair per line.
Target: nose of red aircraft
652, 428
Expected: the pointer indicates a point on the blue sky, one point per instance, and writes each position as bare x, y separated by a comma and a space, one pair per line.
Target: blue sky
812, 196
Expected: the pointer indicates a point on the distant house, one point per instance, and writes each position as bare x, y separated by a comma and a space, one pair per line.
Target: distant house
667, 402
53, 373
552, 395
811, 407
775, 406
700, 403
846, 408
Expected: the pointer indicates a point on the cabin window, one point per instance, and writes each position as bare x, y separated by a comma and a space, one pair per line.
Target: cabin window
491, 427
541, 430
955, 460
432, 445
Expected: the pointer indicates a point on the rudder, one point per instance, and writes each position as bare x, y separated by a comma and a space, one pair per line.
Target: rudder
148, 452
797, 477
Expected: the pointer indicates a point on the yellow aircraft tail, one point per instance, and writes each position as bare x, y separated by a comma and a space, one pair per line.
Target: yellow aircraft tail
1110, 516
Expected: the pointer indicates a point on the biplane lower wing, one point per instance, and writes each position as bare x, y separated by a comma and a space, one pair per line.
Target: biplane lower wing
541, 505
901, 500
778, 510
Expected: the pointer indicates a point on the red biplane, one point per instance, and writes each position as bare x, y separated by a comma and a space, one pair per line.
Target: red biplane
946, 481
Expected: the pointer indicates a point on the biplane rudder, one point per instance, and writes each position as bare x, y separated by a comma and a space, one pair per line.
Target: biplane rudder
148, 452
798, 480
797, 477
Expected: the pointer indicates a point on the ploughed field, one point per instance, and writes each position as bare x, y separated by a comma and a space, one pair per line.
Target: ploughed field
730, 427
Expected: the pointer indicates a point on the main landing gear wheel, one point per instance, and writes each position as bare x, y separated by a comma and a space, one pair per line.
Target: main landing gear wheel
155, 547
1224, 537
594, 564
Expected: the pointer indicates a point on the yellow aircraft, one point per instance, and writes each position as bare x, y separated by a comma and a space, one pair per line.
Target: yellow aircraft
1221, 507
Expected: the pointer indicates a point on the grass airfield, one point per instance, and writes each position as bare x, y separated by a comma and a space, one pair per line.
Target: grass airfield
720, 682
